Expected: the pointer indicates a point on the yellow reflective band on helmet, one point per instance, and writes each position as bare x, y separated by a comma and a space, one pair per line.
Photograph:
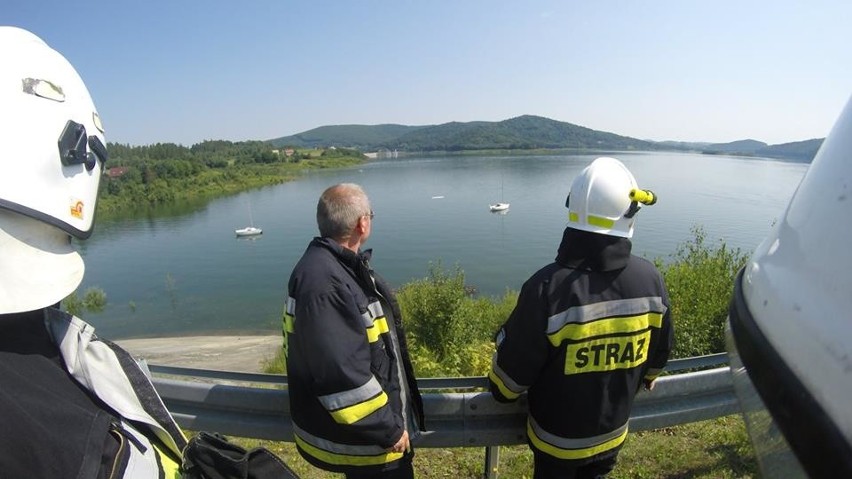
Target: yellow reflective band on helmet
354, 413
583, 331
600, 221
607, 354
345, 459
379, 326
593, 220
578, 453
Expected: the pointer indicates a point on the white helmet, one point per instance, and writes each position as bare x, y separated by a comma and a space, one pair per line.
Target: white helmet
604, 199
52, 152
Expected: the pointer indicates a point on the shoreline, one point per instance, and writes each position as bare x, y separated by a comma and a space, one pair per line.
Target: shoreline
243, 353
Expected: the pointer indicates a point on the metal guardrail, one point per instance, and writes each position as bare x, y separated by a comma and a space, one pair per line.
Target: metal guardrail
260, 408
257, 405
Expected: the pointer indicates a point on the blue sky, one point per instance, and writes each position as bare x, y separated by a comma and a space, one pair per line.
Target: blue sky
185, 71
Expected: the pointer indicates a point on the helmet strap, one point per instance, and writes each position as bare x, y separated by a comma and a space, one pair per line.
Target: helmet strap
633, 209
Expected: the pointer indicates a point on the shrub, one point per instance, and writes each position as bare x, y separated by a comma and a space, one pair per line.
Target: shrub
700, 281
451, 331
428, 306
93, 300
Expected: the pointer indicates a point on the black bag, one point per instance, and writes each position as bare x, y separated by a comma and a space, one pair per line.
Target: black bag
211, 456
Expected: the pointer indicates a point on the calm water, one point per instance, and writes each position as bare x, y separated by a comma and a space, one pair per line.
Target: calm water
182, 271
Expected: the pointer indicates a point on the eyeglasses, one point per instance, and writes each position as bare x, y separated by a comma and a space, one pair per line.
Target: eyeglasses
370, 214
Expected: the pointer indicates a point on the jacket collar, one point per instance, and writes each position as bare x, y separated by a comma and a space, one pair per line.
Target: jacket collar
347, 256
593, 251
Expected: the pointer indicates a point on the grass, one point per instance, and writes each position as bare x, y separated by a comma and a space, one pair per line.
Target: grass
716, 448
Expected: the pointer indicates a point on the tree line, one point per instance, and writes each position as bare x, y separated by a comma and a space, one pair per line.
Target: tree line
144, 176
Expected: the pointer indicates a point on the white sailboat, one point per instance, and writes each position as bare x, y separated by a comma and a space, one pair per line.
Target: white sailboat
501, 206
250, 230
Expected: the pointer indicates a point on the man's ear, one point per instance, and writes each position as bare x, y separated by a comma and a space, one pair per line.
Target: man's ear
361, 225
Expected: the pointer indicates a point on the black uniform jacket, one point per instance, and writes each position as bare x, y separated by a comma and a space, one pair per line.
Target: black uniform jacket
587, 329
75, 405
351, 384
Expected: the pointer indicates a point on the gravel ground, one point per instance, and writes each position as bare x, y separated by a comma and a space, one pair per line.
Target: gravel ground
225, 353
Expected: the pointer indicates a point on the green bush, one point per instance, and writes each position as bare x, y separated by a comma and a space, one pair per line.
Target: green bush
428, 306
700, 281
93, 300
451, 331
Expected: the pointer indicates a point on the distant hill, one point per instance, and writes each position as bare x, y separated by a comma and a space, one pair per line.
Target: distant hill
525, 132
744, 147
684, 145
362, 137
803, 151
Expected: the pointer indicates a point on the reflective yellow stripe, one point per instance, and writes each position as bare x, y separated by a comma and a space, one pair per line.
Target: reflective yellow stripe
170, 467
347, 460
598, 221
287, 328
288, 323
582, 331
618, 308
506, 392
354, 413
580, 453
607, 354
380, 326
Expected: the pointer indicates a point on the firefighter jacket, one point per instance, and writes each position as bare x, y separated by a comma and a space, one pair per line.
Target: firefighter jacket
351, 384
585, 333
78, 406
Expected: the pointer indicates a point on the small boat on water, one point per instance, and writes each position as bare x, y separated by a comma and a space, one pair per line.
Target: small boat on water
495, 207
248, 231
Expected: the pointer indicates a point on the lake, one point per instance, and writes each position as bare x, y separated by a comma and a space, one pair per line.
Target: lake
182, 270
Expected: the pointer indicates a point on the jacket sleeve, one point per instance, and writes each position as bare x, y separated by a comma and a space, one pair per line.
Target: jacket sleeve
665, 342
333, 334
522, 347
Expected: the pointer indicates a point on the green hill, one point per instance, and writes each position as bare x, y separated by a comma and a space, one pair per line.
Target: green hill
527, 132
362, 137
803, 151
740, 147
524, 133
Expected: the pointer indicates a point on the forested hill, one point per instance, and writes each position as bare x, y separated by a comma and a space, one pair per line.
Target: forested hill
361, 137
803, 151
526, 132
522, 133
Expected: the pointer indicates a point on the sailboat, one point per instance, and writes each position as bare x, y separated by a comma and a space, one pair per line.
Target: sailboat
499, 206
250, 230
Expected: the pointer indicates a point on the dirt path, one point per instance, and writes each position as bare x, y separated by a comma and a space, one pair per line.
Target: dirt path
226, 353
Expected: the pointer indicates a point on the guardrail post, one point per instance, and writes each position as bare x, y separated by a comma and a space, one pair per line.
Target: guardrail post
492, 462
